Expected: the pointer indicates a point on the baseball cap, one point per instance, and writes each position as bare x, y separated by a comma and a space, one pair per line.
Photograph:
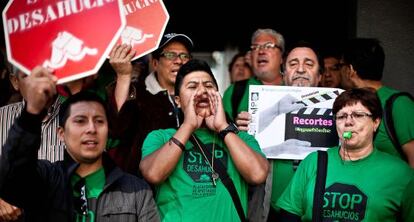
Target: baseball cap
176, 37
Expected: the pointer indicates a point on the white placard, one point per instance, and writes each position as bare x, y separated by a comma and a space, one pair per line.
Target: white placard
291, 122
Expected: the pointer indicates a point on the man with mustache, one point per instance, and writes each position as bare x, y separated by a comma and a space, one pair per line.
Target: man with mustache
302, 66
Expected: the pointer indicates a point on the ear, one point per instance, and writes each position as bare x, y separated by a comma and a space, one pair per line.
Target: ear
61, 133
177, 101
376, 124
14, 81
154, 63
352, 72
319, 78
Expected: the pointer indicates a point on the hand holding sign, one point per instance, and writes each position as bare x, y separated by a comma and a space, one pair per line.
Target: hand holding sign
72, 37
38, 89
285, 105
290, 146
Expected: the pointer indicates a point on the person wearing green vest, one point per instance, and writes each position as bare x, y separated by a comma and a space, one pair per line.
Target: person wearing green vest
188, 165
362, 66
362, 183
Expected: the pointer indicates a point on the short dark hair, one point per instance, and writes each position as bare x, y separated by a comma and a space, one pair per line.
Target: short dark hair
366, 96
235, 57
192, 66
82, 96
366, 57
305, 44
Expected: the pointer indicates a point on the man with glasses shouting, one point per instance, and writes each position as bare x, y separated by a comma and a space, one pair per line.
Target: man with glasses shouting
139, 107
86, 185
267, 48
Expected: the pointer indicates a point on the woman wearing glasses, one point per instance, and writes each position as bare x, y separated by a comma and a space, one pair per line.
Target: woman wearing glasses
362, 183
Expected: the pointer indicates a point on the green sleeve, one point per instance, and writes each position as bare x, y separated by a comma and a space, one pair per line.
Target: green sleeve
408, 202
227, 100
251, 142
155, 140
292, 199
403, 109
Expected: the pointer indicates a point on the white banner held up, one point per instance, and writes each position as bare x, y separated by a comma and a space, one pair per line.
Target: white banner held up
291, 122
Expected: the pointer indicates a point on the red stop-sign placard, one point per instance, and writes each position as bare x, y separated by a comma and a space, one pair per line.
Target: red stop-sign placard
146, 22
72, 37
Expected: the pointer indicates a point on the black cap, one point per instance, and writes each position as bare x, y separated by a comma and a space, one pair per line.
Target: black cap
176, 37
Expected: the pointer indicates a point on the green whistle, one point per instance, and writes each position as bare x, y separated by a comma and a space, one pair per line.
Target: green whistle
347, 135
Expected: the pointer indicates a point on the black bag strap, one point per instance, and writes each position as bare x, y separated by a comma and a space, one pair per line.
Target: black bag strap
224, 177
238, 91
389, 123
319, 186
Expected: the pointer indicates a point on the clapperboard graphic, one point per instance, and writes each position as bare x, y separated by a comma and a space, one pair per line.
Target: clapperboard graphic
313, 124
311, 121
308, 124
320, 98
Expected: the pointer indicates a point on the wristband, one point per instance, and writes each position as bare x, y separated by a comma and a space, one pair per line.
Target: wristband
177, 142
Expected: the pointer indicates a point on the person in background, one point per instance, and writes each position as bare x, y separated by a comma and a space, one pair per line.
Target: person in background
137, 108
248, 58
188, 184
331, 76
362, 182
7, 93
362, 65
239, 69
86, 185
267, 48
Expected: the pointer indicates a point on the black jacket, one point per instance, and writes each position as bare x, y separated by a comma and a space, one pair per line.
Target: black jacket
42, 189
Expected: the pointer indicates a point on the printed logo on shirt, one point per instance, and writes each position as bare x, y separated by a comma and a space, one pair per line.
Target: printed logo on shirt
344, 203
197, 167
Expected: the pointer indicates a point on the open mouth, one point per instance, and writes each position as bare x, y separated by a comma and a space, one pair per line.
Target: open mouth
203, 103
90, 143
262, 61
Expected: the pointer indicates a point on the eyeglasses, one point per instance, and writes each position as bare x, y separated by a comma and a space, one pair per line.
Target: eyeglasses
266, 46
173, 56
357, 116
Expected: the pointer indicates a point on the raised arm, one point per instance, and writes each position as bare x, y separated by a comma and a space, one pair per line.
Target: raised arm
120, 60
251, 165
20, 150
157, 166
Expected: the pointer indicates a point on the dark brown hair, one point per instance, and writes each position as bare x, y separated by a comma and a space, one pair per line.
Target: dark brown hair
366, 96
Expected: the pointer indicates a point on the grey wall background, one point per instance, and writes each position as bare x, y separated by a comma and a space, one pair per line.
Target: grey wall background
392, 22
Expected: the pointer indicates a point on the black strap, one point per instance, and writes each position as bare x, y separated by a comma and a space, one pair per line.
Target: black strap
224, 177
238, 91
389, 123
284, 216
319, 186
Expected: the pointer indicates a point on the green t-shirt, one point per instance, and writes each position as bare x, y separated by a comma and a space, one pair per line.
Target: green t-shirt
94, 184
403, 109
244, 102
188, 194
372, 189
